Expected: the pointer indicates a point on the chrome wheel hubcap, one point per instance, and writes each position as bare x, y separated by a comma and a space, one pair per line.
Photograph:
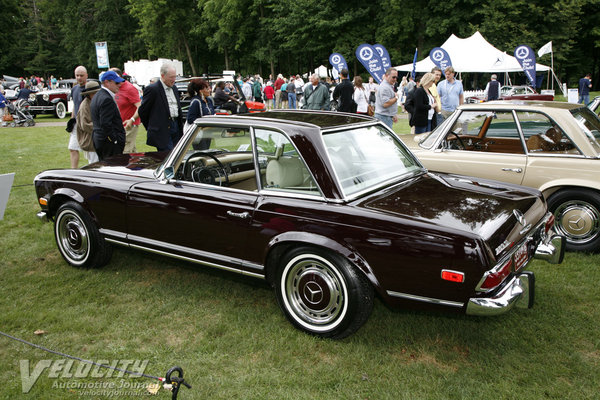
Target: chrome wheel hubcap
314, 292
73, 237
578, 220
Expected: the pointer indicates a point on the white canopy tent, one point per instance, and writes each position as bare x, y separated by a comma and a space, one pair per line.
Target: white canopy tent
473, 54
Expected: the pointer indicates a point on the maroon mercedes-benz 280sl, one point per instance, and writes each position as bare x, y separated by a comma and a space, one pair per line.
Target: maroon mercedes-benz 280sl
330, 208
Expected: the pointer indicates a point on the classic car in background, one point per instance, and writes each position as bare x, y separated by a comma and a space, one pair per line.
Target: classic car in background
514, 93
329, 208
550, 146
54, 101
244, 105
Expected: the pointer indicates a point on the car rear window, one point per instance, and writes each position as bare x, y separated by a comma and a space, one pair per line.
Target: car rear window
589, 124
365, 158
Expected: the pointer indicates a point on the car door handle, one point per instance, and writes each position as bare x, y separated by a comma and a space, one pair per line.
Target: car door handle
517, 170
242, 215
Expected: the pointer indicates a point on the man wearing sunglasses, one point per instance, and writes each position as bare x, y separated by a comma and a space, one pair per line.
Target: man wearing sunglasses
386, 107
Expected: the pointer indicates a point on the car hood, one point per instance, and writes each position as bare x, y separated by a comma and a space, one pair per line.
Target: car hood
490, 210
142, 164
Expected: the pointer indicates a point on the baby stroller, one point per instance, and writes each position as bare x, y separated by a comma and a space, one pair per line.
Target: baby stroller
19, 114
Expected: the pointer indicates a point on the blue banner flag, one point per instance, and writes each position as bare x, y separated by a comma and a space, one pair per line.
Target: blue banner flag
338, 62
440, 58
384, 55
526, 57
369, 57
414, 71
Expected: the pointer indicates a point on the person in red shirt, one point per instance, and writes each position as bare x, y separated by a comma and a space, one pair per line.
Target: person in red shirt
128, 101
269, 95
278, 82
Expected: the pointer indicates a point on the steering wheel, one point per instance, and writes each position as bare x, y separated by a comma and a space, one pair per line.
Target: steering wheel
204, 175
459, 145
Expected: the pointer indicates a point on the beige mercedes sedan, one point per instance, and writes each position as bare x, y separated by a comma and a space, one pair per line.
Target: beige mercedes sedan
551, 146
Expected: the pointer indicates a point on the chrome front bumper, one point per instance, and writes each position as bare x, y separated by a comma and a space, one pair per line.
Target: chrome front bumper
518, 292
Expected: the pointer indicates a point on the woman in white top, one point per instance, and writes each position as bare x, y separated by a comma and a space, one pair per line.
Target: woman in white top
361, 96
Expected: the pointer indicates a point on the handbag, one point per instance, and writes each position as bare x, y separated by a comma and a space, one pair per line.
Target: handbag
370, 110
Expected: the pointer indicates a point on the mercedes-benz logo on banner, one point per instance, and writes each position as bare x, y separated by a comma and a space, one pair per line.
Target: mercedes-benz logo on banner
366, 54
336, 59
521, 52
438, 55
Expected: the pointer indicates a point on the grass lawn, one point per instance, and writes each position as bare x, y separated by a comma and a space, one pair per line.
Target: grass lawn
233, 342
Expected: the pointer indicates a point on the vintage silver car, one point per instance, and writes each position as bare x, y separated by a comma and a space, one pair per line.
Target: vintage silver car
551, 146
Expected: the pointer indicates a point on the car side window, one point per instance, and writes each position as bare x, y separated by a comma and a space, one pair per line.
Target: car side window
489, 131
220, 156
281, 167
544, 136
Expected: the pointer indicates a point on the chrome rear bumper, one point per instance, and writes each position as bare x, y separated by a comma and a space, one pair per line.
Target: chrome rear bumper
42, 216
518, 292
552, 249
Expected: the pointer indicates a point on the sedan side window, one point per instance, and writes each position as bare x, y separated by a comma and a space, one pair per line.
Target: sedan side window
220, 156
489, 131
281, 167
544, 136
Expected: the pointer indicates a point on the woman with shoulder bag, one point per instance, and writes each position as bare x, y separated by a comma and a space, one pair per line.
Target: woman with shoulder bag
360, 96
425, 105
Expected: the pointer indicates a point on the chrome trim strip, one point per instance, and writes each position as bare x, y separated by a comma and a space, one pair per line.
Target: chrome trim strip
209, 264
114, 234
183, 249
425, 299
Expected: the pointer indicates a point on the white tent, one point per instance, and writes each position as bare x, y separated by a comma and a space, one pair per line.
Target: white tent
473, 54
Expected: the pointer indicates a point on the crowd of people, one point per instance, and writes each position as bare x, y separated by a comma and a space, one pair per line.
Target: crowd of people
107, 115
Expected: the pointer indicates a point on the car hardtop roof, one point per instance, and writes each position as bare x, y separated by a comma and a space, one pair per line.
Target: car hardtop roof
522, 104
319, 119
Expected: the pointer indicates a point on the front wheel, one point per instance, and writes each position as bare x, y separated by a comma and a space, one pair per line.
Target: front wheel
322, 293
78, 238
577, 217
60, 111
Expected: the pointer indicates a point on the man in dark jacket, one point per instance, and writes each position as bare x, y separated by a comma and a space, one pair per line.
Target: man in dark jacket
108, 134
345, 92
160, 110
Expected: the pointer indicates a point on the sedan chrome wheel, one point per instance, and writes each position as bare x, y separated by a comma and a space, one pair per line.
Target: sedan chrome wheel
78, 237
72, 237
315, 292
577, 217
322, 293
578, 220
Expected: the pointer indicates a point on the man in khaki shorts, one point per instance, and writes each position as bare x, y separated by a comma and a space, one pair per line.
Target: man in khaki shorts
128, 101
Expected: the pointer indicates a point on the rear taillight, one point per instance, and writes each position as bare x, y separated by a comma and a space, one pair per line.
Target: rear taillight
496, 278
549, 223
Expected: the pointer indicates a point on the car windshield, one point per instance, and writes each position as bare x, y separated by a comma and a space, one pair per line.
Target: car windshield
432, 137
367, 157
589, 124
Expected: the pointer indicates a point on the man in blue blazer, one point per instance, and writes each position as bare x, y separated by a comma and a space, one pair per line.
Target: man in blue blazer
160, 110
108, 133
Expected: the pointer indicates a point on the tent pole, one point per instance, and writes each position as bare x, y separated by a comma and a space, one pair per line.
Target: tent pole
552, 65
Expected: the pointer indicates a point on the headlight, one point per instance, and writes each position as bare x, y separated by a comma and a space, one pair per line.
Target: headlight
32, 97
46, 96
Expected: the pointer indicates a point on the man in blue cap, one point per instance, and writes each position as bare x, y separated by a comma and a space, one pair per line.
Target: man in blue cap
108, 134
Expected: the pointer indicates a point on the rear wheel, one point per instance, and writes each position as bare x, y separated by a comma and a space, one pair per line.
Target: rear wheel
577, 217
78, 238
322, 293
60, 111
